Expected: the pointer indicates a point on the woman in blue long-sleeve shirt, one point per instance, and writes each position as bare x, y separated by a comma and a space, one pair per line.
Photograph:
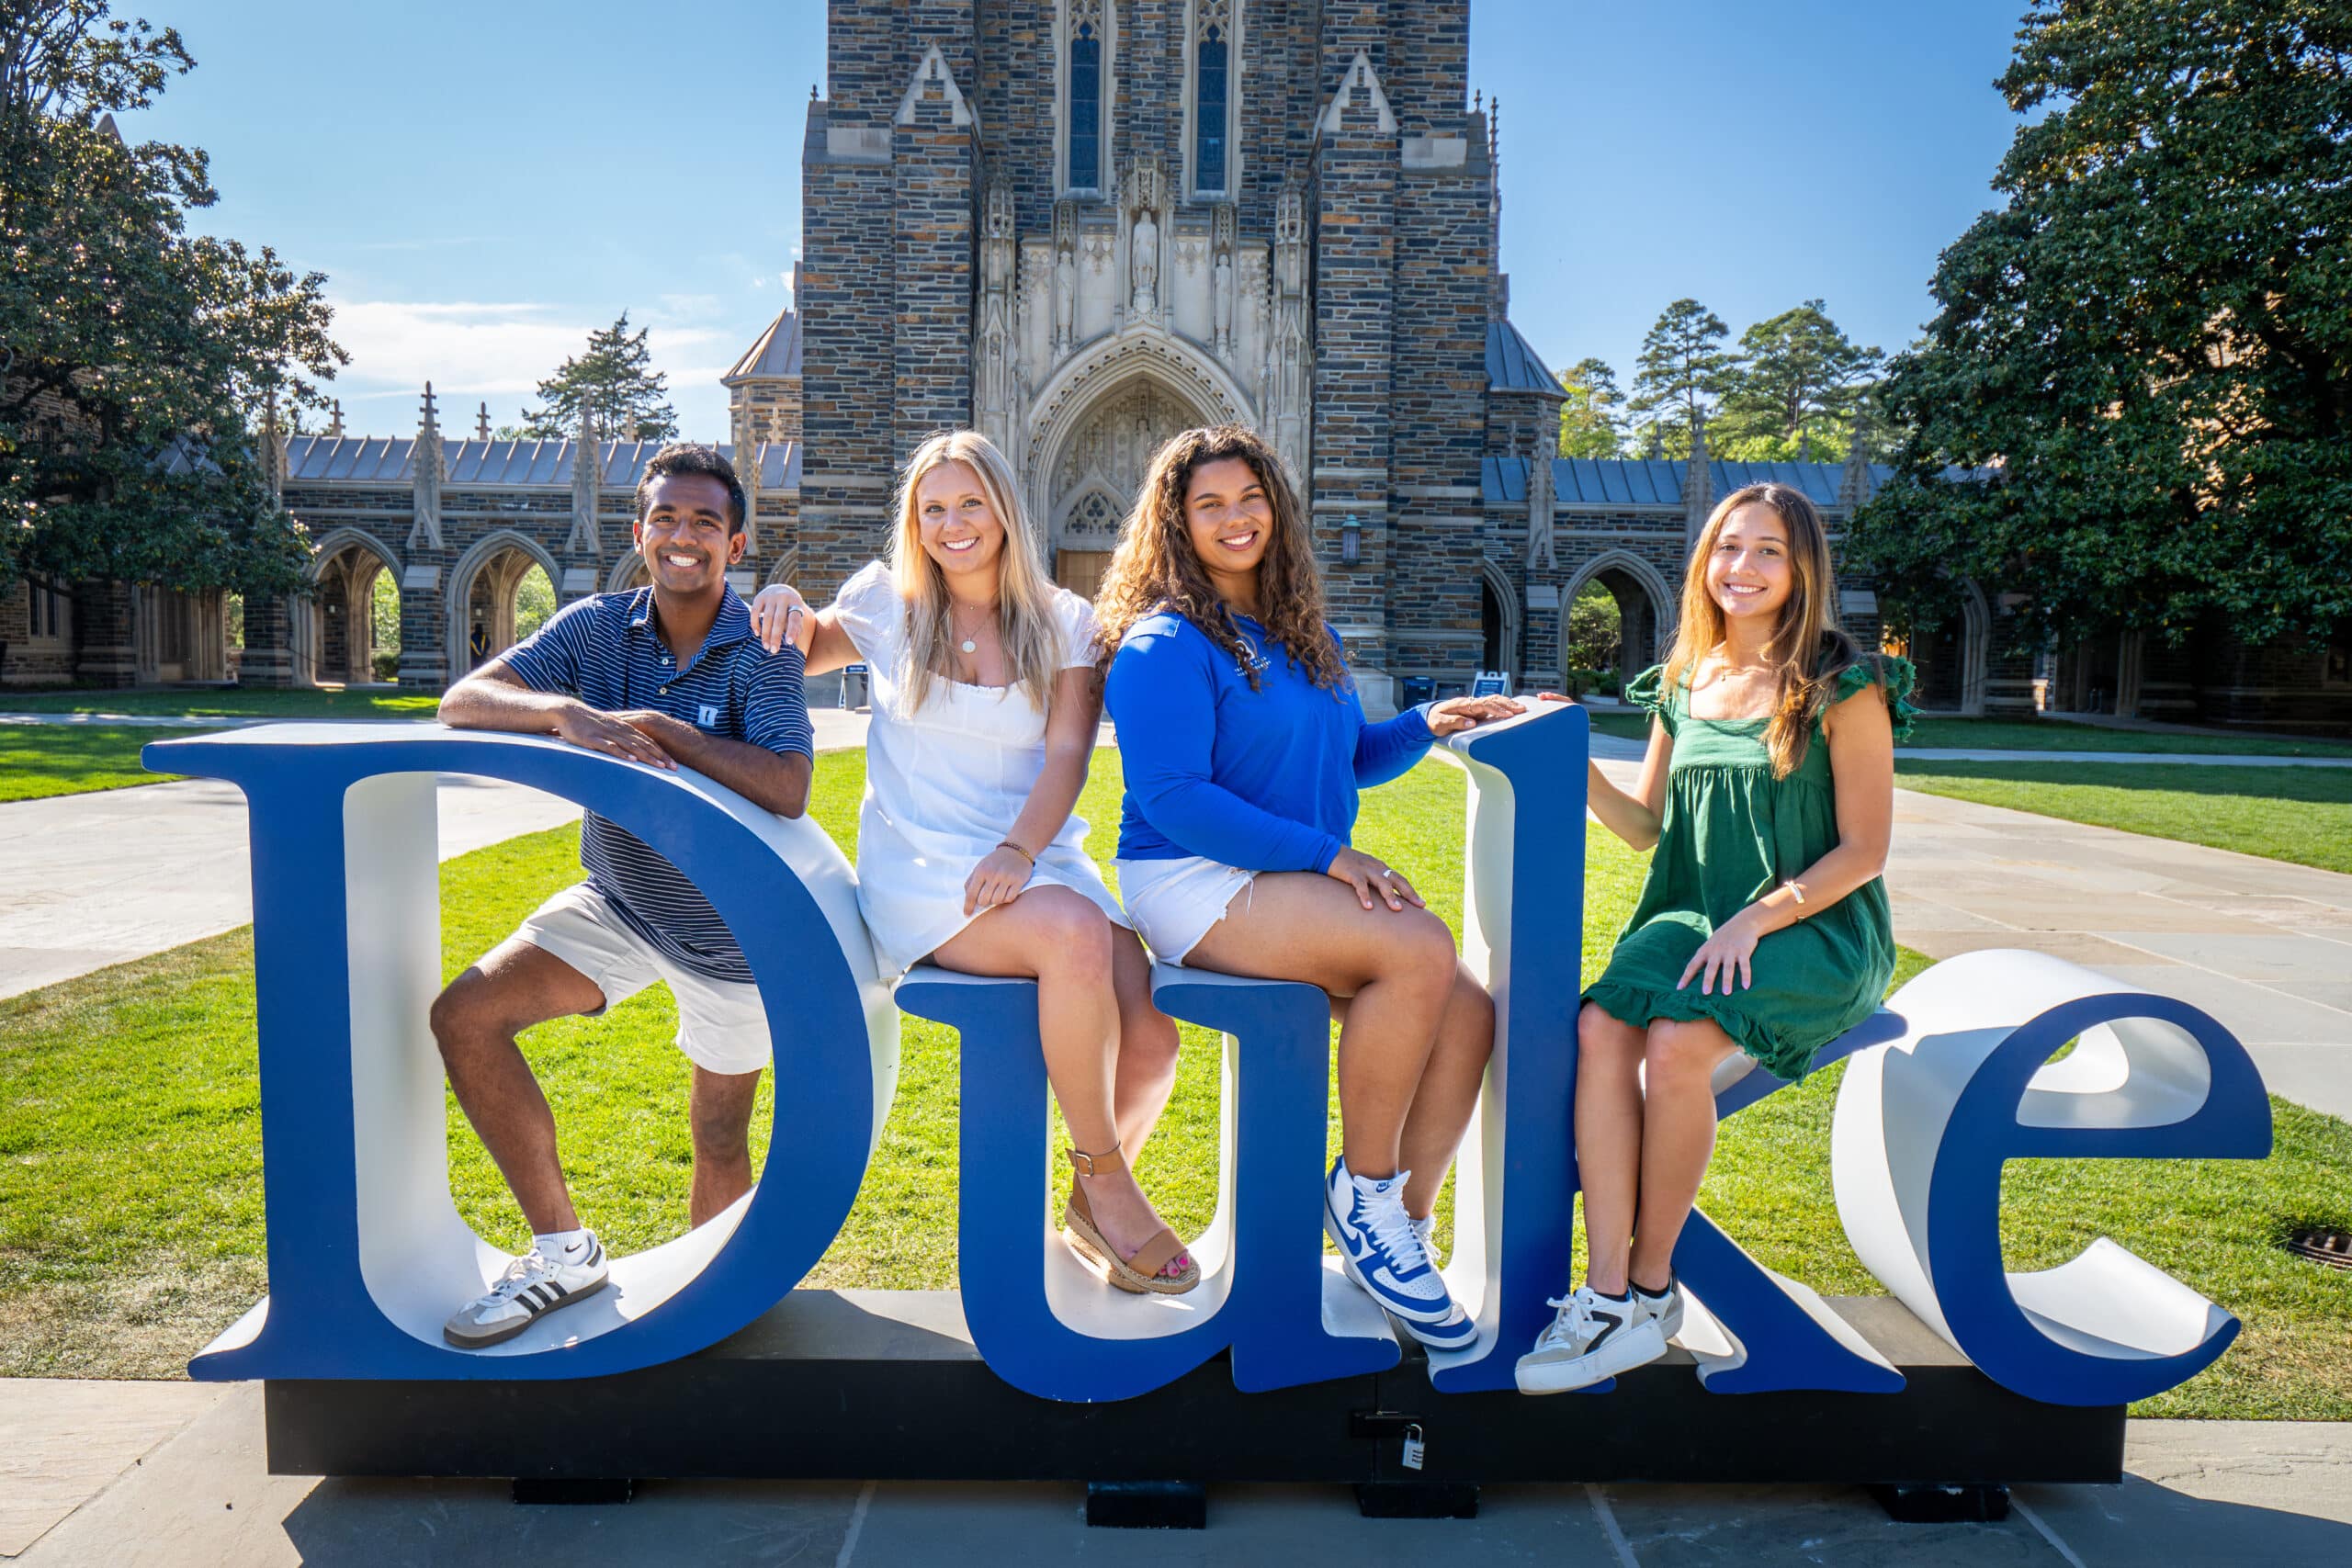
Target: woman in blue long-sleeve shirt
1244, 744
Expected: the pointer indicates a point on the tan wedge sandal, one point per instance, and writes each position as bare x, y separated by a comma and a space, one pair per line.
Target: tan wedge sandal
1138, 1275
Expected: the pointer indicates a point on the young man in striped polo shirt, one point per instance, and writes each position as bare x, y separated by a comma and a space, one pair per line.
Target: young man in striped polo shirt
662, 676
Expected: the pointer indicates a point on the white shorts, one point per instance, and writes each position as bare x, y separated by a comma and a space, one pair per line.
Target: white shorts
721, 1024
1174, 902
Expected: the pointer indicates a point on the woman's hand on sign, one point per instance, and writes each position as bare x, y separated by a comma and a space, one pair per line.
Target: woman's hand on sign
779, 615
1372, 878
1466, 713
998, 879
1729, 950
614, 734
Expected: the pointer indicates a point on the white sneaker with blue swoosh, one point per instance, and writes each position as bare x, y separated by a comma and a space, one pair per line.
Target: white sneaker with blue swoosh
1383, 1252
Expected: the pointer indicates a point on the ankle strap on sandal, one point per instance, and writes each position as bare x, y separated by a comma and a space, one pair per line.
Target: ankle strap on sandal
1095, 1164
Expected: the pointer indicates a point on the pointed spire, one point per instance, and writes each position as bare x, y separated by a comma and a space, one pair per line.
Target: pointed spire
334, 423
587, 483
481, 423
426, 472
1854, 485
1698, 482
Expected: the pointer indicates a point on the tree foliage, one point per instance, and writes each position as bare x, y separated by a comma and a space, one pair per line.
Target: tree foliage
1683, 369
132, 352
1794, 392
1589, 419
614, 383
2149, 346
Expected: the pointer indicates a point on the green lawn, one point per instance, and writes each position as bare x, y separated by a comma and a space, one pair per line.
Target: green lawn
2303, 814
130, 1200
38, 760
2051, 735
229, 702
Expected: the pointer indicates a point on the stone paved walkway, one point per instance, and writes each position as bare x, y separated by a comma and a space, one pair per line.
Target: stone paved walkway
173, 1473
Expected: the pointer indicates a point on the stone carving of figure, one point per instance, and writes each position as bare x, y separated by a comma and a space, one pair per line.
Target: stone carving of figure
1065, 298
1144, 263
1224, 292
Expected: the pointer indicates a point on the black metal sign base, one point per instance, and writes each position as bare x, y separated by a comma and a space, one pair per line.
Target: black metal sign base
885, 1384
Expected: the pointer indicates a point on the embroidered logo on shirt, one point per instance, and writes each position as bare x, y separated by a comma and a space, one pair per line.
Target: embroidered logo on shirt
707, 715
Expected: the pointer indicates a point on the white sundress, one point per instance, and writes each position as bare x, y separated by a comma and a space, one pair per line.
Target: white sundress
945, 783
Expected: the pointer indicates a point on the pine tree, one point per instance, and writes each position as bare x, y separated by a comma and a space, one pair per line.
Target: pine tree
1683, 369
1795, 391
1589, 419
615, 382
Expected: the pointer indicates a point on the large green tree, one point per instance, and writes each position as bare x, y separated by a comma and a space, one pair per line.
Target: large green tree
2146, 355
614, 383
1795, 391
1588, 418
1683, 369
133, 354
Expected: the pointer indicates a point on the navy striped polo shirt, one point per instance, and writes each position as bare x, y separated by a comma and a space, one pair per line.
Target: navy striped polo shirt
606, 652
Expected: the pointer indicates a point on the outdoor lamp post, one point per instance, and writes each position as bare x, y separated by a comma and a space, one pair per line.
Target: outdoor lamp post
1351, 540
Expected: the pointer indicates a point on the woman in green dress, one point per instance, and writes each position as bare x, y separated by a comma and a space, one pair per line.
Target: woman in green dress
1768, 793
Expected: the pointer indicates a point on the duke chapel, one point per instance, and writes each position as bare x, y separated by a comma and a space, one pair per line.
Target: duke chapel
1081, 225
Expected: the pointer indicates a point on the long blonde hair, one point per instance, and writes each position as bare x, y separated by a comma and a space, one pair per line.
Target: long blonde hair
1025, 623
1156, 567
1807, 651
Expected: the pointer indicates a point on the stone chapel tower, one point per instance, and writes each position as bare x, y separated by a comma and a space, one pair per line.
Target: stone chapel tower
1082, 225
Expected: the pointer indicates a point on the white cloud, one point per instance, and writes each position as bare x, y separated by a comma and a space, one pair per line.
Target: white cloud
500, 351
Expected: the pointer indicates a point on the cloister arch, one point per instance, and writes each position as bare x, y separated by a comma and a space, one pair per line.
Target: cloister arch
627, 572
1646, 609
333, 628
1498, 619
481, 603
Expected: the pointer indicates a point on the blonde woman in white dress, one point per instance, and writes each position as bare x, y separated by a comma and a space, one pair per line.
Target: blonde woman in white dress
985, 700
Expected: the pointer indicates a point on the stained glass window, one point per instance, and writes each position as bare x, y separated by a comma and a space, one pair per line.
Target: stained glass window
1212, 60
1086, 103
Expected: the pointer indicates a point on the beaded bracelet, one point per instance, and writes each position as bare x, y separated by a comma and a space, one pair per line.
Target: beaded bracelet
1016, 849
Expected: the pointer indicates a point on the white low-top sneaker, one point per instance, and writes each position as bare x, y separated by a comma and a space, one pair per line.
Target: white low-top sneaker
1381, 1249
1594, 1337
1666, 1309
532, 1285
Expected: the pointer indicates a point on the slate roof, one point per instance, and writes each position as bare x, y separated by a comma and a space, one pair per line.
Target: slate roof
1512, 364
383, 460
777, 353
1657, 481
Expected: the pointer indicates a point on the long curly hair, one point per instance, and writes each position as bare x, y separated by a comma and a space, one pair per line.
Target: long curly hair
1808, 650
1156, 568
1026, 623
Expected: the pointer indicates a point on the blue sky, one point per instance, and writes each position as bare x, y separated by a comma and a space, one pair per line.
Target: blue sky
470, 178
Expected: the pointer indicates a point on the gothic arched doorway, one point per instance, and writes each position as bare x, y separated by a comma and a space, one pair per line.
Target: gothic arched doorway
1094, 478
489, 612
1635, 636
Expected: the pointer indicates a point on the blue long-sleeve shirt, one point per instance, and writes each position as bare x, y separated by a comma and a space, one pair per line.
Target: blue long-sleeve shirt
1263, 780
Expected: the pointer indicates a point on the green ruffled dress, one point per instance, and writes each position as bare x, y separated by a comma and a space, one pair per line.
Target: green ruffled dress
1733, 833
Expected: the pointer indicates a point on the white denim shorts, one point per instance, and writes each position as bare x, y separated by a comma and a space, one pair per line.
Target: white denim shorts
721, 1024
1174, 902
